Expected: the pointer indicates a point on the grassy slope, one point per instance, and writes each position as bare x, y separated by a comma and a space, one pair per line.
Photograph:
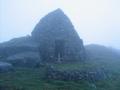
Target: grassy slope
31, 79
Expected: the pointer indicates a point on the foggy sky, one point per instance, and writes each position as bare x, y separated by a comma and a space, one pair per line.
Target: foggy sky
96, 21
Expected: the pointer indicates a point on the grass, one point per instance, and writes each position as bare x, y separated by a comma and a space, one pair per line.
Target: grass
22, 77
32, 78
75, 66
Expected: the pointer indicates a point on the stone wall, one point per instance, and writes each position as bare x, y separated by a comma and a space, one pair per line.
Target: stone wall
75, 75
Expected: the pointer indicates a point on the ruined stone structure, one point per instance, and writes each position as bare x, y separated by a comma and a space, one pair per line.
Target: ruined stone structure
58, 40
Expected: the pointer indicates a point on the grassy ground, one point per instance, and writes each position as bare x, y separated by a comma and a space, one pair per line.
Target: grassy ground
32, 78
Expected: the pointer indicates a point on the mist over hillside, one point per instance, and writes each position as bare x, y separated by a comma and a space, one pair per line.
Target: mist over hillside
102, 52
55, 58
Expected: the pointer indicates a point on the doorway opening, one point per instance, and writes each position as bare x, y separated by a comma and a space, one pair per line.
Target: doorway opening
59, 49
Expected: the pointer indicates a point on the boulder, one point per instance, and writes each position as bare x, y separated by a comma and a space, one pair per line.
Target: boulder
5, 67
26, 59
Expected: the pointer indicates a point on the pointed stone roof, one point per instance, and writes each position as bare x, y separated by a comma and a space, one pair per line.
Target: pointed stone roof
56, 22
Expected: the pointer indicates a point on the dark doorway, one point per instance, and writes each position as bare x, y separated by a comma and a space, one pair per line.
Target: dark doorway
59, 49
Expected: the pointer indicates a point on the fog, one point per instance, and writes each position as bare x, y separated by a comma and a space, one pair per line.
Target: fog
96, 21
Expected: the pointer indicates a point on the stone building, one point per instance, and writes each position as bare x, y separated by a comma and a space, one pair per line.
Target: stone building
58, 40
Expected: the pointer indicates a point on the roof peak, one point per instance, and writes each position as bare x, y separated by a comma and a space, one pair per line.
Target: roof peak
59, 10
